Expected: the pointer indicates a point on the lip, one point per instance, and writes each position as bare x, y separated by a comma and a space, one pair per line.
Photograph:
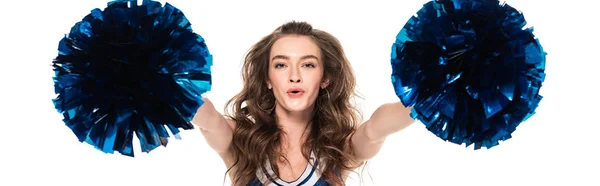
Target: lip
295, 92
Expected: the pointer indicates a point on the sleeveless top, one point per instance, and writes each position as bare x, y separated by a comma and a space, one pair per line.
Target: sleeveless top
310, 177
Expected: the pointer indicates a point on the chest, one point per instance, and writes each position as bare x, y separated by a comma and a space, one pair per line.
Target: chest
297, 170
293, 166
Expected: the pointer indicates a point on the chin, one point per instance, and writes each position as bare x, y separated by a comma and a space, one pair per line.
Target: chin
296, 106
296, 109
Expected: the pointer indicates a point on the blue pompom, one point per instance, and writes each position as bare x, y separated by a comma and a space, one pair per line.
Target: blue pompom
470, 70
131, 69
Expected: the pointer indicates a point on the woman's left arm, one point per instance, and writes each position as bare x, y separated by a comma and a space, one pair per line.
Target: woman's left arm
387, 119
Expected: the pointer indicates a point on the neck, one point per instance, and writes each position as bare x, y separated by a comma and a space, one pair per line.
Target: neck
293, 123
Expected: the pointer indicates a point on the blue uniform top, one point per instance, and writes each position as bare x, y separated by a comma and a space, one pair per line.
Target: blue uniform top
310, 177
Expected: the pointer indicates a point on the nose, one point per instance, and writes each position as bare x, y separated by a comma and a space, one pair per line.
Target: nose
295, 80
295, 76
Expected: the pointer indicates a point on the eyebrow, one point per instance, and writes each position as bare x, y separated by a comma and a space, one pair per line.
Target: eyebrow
287, 57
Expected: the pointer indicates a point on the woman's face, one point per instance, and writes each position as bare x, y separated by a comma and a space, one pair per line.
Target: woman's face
295, 73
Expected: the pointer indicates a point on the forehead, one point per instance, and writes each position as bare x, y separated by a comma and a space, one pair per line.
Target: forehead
295, 46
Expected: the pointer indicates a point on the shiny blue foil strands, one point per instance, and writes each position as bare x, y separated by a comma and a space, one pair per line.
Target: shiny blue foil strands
131, 69
470, 69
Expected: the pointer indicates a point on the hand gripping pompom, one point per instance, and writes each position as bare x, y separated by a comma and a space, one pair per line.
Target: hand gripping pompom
469, 69
131, 69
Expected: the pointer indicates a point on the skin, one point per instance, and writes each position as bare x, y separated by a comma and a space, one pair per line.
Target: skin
295, 63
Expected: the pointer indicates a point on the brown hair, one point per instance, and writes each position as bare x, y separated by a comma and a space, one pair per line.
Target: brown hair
257, 138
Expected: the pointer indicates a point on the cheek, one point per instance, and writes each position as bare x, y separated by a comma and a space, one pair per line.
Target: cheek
276, 81
316, 79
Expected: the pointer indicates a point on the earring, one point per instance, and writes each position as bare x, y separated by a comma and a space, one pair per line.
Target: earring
326, 92
269, 111
319, 109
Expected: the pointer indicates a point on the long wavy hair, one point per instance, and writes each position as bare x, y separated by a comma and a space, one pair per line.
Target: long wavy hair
257, 137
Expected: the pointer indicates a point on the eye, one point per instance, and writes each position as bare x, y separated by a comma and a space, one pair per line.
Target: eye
279, 65
309, 65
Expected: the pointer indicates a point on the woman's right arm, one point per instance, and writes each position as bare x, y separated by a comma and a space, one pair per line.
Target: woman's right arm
217, 130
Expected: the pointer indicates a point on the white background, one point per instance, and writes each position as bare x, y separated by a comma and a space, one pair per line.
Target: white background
559, 145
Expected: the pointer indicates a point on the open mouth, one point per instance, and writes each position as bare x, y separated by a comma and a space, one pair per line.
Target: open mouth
295, 92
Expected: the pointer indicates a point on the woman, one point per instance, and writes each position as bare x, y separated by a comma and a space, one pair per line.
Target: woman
293, 122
